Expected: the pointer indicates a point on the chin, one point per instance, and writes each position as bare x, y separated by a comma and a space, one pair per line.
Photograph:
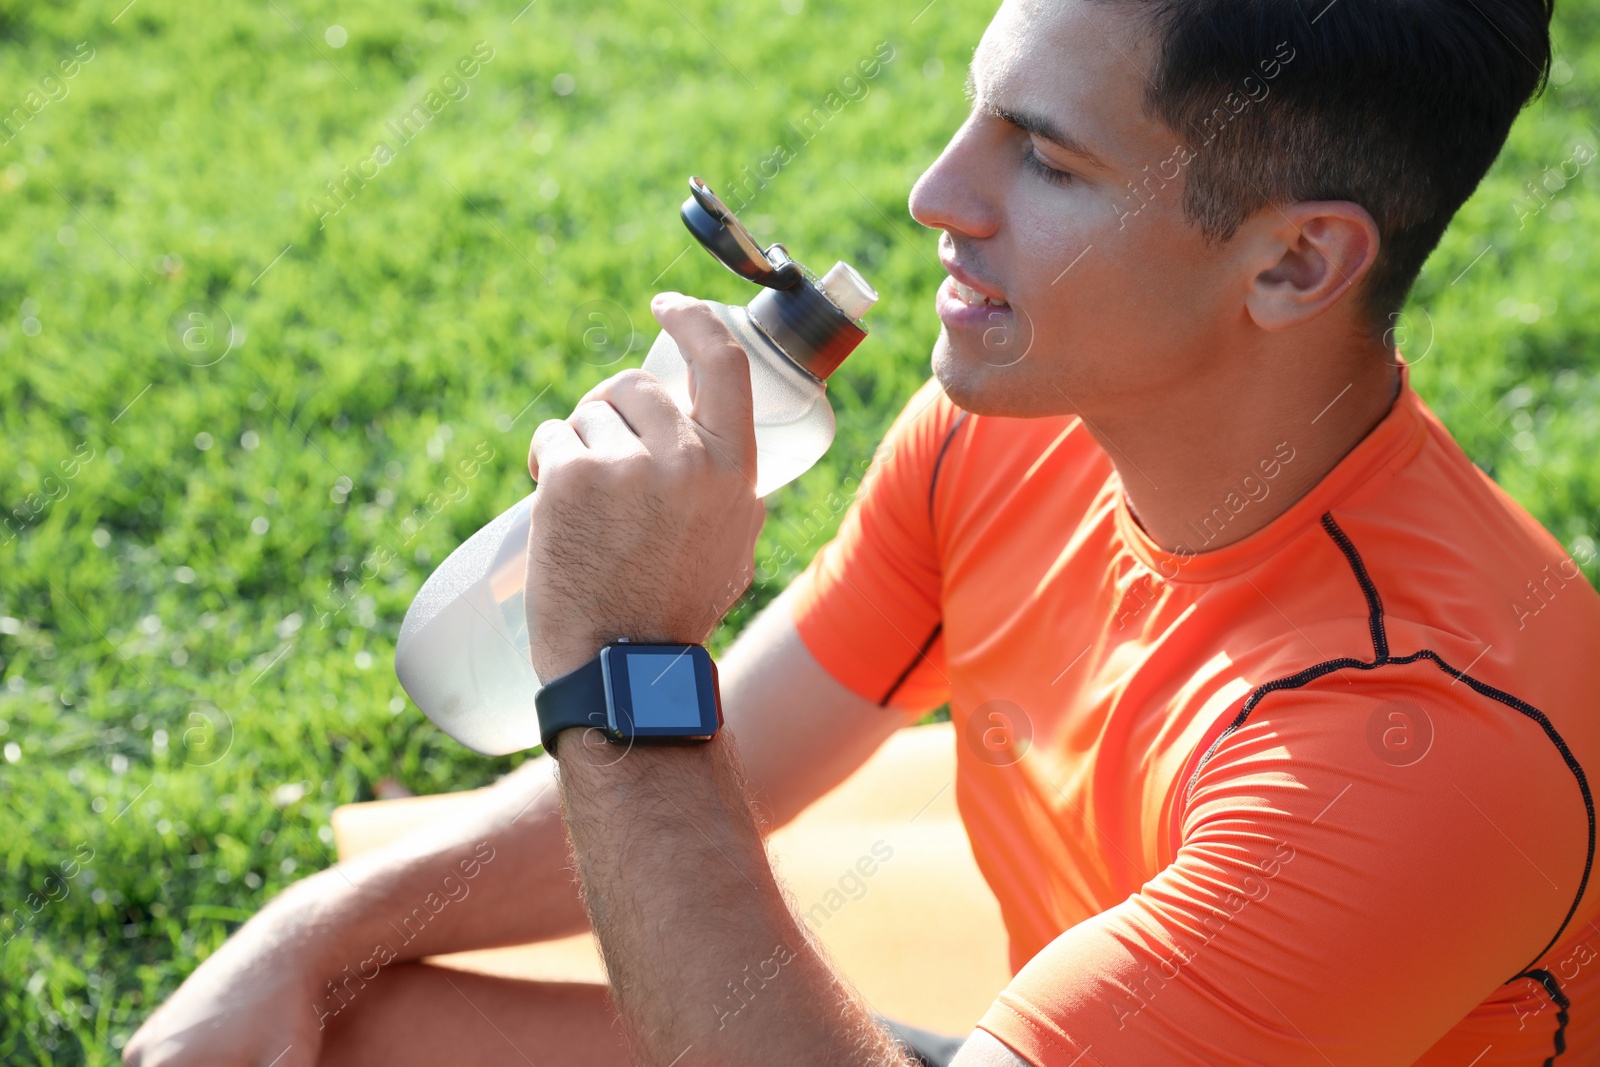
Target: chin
985, 389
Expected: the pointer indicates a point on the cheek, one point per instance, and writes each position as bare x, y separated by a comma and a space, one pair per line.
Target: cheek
1169, 272
1071, 271
1055, 242
1138, 298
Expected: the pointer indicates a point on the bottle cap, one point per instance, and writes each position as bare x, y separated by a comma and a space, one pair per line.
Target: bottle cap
812, 321
809, 327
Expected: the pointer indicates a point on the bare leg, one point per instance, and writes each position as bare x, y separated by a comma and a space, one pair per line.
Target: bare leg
415, 1013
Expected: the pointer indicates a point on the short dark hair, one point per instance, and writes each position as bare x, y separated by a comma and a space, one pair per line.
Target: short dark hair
1397, 105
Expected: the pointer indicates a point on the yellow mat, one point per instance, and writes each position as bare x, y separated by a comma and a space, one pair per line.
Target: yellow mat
880, 869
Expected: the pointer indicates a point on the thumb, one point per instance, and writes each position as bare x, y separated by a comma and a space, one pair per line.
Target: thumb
719, 375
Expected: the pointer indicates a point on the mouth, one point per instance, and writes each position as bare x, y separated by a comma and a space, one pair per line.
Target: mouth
962, 307
972, 298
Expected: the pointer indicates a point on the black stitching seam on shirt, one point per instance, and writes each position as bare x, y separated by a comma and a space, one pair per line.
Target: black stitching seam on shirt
938, 461
1551, 986
1382, 658
938, 627
922, 654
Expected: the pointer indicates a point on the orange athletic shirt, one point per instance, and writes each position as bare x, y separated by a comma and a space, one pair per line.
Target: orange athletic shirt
1314, 797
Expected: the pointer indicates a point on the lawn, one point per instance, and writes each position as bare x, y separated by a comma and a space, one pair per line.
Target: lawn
263, 325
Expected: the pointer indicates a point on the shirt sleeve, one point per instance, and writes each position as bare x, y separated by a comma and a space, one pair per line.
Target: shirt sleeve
1336, 897
868, 604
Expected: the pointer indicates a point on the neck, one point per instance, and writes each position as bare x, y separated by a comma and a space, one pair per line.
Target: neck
1210, 465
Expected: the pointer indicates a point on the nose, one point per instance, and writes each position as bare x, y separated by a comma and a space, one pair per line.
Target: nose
959, 191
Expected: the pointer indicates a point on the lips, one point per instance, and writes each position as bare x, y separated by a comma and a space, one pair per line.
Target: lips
978, 320
969, 289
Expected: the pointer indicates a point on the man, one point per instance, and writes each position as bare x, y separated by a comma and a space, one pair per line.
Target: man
1294, 705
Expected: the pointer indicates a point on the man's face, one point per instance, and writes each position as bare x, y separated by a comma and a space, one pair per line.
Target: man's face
1113, 298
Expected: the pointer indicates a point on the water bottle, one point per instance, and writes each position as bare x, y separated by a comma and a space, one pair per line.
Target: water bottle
463, 654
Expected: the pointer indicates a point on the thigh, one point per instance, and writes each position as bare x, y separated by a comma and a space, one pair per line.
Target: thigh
421, 1014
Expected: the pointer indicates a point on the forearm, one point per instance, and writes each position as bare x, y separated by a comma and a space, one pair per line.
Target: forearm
705, 958
498, 876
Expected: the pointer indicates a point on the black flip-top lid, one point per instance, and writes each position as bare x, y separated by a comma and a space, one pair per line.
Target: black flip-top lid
724, 236
799, 317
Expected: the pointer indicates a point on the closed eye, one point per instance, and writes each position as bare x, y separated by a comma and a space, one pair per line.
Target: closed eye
1034, 162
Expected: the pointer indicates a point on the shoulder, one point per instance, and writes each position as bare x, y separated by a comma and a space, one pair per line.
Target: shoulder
1402, 781
1454, 558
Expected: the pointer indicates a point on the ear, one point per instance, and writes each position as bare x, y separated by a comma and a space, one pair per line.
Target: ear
1316, 252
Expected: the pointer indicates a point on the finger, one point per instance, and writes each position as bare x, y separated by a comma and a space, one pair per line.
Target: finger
645, 405
603, 431
554, 442
719, 374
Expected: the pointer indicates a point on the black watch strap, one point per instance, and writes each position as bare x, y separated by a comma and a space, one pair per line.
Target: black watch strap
577, 698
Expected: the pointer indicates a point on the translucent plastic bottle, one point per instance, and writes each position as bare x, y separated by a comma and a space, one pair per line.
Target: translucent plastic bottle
464, 650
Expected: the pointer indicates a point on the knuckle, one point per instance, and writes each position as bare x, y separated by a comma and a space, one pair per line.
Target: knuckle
587, 468
635, 468
642, 388
557, 480
632, 378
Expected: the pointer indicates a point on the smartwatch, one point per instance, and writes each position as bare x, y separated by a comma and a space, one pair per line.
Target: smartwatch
635, 692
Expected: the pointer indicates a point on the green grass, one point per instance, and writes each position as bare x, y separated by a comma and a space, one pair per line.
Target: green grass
195, 657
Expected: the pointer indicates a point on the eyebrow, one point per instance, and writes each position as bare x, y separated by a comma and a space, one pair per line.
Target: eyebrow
1038, 125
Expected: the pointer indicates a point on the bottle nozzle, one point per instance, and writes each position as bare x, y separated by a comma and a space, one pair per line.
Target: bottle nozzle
848, 290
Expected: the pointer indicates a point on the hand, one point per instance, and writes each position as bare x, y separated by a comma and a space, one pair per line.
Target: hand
645, 520
251, 1003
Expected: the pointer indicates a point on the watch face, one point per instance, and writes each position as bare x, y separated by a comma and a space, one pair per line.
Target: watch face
661, 691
